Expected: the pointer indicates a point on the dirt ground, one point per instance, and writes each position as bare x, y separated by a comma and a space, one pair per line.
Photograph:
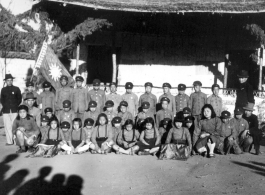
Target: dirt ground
121, 174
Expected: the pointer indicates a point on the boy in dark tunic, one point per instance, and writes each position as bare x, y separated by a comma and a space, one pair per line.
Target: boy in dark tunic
92, 111
116, 123
164, 112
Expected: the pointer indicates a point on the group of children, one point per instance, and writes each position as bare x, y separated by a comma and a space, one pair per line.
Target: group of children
75, 120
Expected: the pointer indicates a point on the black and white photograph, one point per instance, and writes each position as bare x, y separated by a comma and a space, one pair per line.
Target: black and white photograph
132, 97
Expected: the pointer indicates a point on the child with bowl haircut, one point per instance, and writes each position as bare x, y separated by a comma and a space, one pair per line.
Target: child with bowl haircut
124, 113
102, 135
77, 138
149, 141
127, 139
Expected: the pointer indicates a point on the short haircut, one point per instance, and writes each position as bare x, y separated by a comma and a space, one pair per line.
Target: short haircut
79, 121
149, 120
102, 115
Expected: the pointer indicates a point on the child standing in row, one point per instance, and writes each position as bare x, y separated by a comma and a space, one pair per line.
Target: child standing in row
80, 98
31, 89
145, 113
98, 95
197, 101
182, 99
215, 100
47, 98
164, 112
131, 99
62, 94
92, 111
116, 98
171, 103
149, 97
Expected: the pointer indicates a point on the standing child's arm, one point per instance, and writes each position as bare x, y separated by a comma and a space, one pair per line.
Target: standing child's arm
208, 100
191, 102
174, 105
136, 104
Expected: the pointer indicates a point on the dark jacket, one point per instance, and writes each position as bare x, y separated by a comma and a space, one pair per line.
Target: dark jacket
252, 122
10, 98
244, 95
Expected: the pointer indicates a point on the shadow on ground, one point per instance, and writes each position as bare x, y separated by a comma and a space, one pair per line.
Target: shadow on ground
256, 167
59, 184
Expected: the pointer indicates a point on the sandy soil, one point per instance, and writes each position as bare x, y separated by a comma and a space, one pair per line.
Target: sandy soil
121, 174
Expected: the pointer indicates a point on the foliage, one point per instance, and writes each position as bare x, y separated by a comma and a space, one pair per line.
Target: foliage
30, 41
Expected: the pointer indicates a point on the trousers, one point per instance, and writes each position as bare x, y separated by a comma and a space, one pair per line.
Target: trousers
8, 123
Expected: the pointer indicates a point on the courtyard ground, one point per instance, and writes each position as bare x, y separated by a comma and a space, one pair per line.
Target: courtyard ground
121, 174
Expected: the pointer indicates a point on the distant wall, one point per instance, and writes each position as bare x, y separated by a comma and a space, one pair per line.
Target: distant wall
19, 68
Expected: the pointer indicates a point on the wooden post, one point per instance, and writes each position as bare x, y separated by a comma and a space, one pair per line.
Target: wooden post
114, 67
260, 67
77, 59
225, 70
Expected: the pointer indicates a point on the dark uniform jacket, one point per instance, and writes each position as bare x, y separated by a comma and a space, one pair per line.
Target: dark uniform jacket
244, 95
10, 98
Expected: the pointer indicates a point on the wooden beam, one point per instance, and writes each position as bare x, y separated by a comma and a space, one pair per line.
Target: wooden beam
77, 59
260, 67
114, 67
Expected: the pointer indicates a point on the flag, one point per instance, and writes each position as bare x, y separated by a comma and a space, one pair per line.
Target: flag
50, 67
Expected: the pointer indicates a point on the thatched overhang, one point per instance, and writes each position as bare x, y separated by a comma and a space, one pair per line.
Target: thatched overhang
173, 6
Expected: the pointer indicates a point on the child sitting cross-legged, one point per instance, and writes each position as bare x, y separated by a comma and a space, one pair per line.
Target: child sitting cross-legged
149, 139
127, 139
102, 135
77, 138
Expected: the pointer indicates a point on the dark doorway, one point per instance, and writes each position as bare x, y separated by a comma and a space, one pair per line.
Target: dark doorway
242, 60
99, 63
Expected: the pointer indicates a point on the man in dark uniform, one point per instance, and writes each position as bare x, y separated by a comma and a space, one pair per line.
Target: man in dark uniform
253, 123
244, 93
10, 98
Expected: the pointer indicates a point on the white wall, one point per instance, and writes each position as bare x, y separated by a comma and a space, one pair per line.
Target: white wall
18, 68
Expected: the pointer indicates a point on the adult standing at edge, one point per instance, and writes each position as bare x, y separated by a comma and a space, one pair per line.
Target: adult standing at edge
245, 91
10, 98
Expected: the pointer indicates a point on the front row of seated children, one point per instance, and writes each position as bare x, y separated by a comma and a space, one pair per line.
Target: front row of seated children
213, 133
